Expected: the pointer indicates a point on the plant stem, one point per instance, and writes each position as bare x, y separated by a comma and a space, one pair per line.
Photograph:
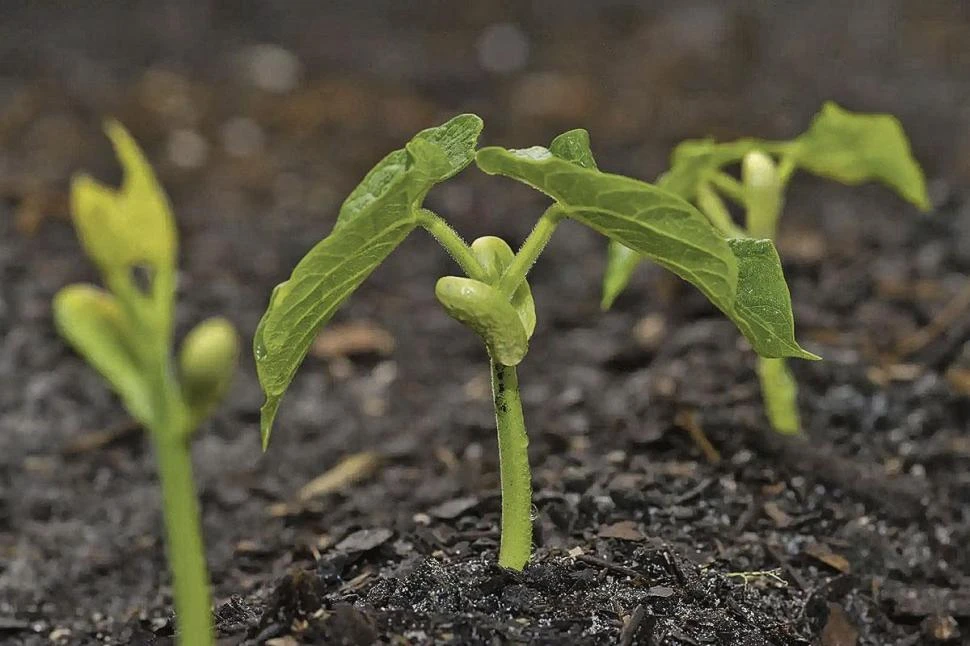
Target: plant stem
513, 456
529, 251
779, 391
184, 545
452, 242
731, 187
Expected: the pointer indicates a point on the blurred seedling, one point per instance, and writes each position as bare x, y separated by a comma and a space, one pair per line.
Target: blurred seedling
847, 147
742, 277
126, 334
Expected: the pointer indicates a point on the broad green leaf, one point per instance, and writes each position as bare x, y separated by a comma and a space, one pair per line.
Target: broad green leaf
762, 310
779, 390
129, 226
853, 148
495, 255
373, 221
691, 164
92, 321
486, 311
651, 221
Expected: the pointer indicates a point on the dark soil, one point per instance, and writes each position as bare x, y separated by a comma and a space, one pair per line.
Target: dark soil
857, 534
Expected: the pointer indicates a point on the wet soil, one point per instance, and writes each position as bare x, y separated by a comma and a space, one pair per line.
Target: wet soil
645, 533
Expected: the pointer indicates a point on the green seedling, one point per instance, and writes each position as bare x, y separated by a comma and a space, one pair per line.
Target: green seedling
125, 333
840, 145
741, 277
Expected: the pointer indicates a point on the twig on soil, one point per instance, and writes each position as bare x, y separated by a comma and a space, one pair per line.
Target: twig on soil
607, 565
632, 625
789, 570
350, 470
943, 321
687, 420
97, 440
754, 575
693, 492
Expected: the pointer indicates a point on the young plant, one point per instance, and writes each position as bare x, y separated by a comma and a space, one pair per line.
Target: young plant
847, 147
741, 277
125, 333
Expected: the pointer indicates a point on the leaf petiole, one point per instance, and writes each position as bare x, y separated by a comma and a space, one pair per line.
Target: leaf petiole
448, 238
536, 241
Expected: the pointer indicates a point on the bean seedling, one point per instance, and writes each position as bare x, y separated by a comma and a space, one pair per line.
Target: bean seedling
741, 277
125, 333
847, 147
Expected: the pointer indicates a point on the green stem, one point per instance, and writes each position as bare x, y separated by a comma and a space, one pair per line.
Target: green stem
453, 244
513, 455
530, 250
779, 390
184, 545
731, 187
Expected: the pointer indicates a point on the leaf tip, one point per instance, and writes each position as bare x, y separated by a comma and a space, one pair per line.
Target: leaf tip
267, 414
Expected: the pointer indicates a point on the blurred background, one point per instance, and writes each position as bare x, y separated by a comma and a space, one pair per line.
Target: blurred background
261, 116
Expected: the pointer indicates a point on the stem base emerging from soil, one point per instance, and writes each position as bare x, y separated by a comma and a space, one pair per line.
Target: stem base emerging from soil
513, 453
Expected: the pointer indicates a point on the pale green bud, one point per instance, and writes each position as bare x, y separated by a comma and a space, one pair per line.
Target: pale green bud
207, 362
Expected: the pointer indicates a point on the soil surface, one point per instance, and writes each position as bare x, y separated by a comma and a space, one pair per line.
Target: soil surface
665, 511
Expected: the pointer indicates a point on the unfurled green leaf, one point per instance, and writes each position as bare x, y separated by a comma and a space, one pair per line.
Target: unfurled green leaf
376, 217
853, 148
486, 311
779, 391
207, 363
762, 310
695, 160
495, 255
652, 222
573, 146
130, 226
91, 320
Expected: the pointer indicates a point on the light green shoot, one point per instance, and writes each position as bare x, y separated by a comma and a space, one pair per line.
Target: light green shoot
125, 333
741, 277
847, 147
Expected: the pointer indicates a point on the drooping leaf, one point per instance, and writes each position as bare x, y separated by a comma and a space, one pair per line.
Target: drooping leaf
495, 255
853, 148
745, 281
779, 391
486, 311
652, 222
762, 310
691, 164
92, 321
376, 217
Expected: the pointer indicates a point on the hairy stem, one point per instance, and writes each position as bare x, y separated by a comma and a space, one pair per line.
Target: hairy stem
452, 242
184, 545
513, 455
529, 251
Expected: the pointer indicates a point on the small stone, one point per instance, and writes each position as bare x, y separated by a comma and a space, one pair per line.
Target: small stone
941, 628
364, 540
625, 530
242, 137
454, 508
